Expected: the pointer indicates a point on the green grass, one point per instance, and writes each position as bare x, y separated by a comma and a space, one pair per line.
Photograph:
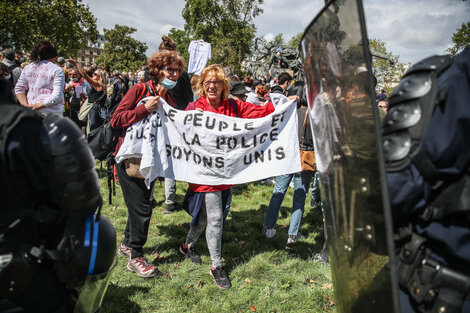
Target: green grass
266, 275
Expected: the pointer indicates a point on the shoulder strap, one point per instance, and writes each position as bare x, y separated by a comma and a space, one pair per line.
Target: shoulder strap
234, 105
149, 90
146, 91
304, 126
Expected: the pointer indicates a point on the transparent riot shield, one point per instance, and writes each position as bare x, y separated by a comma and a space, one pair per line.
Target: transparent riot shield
345, 122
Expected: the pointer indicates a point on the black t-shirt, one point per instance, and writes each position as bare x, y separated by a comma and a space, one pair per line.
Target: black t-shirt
182, 92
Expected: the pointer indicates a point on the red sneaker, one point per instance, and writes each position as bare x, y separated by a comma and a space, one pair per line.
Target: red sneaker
124, 251
142, 267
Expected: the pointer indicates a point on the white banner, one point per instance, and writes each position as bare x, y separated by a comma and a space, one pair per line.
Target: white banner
214, 149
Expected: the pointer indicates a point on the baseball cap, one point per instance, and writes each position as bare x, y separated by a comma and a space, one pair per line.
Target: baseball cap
237, 88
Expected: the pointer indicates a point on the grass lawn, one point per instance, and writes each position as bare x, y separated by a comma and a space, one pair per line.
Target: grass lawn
266, 275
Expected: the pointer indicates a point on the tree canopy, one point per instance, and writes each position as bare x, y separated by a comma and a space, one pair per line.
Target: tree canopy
69, 24
121, 51
294, 41
278, 40
226, 24
460, 39
387, 71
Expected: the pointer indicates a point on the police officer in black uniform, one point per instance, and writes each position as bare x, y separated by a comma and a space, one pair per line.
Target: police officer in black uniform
427, 153
52, 236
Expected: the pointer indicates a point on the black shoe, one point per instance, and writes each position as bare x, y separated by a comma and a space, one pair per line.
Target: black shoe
190, 253
170, 208
220, 278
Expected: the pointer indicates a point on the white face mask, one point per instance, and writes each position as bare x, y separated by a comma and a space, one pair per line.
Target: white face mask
8, 76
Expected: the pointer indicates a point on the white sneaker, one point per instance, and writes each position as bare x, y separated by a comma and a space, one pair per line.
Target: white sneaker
269, 232
294, 238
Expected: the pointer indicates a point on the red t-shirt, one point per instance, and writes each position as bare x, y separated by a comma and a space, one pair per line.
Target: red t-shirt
244, 110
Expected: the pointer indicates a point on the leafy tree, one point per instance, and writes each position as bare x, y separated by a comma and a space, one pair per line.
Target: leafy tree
278, 40
121, 51
226, 24
294, 41
460, 39
69, 24
388, 71
182, 40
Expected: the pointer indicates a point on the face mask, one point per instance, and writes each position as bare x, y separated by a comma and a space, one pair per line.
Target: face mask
8, 76
75, 80
168, 83
21, 59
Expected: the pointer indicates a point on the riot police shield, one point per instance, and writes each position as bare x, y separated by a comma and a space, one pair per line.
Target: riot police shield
345, 122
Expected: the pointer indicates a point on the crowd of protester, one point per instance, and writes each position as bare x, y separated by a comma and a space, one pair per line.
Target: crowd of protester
53, 85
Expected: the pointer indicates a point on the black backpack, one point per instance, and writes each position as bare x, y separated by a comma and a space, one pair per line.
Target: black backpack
103, 141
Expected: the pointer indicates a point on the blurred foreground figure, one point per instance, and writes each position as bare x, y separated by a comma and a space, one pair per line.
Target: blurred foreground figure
56, 251
396, 194
427, 158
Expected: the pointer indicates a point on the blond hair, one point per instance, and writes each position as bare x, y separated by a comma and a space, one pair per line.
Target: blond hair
217, 71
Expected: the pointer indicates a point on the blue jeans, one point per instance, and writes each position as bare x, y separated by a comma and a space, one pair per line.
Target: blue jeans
301, 186
316, 189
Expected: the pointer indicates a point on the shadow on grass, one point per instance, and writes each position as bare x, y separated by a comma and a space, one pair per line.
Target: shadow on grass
240, 189
246, 239
101, 169
117, 299
175, 234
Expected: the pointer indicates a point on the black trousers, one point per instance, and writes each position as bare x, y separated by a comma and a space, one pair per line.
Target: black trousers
137, 198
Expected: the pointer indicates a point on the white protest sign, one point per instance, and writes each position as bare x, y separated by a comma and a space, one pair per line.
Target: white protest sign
214, 149
78, 91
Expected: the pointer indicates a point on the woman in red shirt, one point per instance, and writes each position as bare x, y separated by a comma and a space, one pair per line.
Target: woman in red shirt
208, 200
164, 68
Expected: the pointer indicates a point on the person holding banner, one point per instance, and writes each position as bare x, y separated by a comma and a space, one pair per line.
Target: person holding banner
164, 68
301, 180
207, 201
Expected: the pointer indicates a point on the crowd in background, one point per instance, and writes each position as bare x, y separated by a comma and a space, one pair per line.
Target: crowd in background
92, 95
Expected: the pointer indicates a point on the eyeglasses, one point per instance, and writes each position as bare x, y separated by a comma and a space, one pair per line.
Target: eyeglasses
97, 74
216, 83
172, 70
